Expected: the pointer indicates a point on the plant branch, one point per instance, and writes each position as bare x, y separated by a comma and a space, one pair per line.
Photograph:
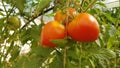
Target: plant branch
82, 3
4, 7
79, 5
37, 16
80, 57
64, 58
11, 10
90, 5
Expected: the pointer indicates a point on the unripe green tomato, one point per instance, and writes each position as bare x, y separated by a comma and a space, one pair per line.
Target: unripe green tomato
13, 23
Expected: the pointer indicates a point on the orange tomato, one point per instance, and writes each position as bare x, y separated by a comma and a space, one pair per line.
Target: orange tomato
53, 30
61, 17
83, 28
72, 11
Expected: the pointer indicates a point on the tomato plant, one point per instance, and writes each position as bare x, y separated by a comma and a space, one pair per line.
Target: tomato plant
84, 28
52, 31
35, 36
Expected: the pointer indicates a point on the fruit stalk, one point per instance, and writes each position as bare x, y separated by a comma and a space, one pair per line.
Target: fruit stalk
90, 5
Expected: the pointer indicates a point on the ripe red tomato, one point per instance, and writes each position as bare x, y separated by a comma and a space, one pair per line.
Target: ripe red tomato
52, 31
83, 28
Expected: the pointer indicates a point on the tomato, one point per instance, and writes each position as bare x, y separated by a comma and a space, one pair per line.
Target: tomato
61, 16
72, 11
83, 28
53, 30
13, 22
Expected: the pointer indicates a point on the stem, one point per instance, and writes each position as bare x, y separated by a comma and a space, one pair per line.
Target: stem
90, 5
4, 7
82, 3
37, 17
64, 58
79, 5
42, 21
80, 58
11, 10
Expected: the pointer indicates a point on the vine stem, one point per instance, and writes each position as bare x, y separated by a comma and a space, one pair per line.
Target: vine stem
82, 3
90, 5
11, 10
65, 49
37, 17
4, 7
64, 58
80, 57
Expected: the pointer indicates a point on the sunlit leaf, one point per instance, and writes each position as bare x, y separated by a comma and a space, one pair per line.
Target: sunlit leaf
42, 4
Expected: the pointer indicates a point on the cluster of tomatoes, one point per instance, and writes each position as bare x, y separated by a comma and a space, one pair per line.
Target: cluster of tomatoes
81, 27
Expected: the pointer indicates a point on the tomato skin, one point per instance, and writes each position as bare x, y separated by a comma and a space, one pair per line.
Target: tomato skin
84, 28
53, 30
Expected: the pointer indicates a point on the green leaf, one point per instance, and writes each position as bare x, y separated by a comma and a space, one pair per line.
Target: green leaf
71, 64
109, 17
34, 62
72, 53
112, 30
104, 57
15, 53
92, 63
42, 5
106, 54
1, 13
25, 36
49, 15
101, 4
60, 42
111, 42
106, 34
41, 51
20, 4
1, 65
35, 32
57, 61
21, 62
